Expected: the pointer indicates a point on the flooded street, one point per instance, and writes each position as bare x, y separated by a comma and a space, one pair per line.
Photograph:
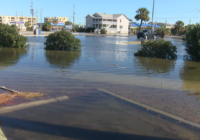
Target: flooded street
104, 62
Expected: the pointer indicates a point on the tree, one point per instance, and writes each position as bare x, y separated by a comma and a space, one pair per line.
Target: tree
68, 23
143, 15
179, 24
9, 37
54, 22
158, 49
192, 42
162, 31
46, 26
27, 24
62, 40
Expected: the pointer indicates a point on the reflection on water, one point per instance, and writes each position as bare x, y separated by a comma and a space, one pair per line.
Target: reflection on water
10, 56
190, 74
156, 65
62, 59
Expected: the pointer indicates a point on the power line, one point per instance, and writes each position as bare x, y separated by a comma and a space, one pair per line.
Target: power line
41, 19
74, 16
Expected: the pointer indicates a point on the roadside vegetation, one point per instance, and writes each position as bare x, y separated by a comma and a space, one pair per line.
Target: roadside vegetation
9, 37
157, 49
103, 31
62, 40
47, 26
192, 42
162, 31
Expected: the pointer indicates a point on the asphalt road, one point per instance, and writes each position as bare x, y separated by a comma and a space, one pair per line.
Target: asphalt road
90, 117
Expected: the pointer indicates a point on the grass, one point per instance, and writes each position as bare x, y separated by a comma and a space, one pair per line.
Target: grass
30, 95
6, 97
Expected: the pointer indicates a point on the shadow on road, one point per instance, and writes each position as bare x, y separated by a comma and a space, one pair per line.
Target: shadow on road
69, 132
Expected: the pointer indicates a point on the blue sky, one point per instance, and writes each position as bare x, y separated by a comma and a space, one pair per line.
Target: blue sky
165, 10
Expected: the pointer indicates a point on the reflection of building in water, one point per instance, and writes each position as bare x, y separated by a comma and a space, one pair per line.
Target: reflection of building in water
10, 56
119, 54
62, 59
190, 74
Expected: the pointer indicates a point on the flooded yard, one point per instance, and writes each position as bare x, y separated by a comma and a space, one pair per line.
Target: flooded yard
104, 62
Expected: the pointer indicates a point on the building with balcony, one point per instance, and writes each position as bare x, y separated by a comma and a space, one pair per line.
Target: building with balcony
113, 23
58, 19
17, 19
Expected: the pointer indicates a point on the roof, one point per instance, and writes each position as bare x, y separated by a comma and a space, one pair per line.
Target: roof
143, 25
104, 15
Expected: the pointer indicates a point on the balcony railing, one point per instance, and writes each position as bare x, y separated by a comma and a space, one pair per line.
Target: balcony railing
105, 22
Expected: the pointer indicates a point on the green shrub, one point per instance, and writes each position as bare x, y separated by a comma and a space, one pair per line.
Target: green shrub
103, 31
158, 49
29, 28
192, 42
62, 40
90, 29
9, 37
162, 31
46, 26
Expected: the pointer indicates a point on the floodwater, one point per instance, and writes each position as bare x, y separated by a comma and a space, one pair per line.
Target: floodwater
103, 62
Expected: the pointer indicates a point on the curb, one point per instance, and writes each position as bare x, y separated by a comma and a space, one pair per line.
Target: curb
32, 104
2, 136
152, 109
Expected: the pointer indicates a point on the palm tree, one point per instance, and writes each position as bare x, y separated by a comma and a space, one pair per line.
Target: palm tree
179, 24
54, 22
143, 15
162, 31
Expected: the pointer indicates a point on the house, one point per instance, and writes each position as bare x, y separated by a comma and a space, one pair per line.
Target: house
168, 25
114, 23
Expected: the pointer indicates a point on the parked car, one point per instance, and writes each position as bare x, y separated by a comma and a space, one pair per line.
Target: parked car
146, 34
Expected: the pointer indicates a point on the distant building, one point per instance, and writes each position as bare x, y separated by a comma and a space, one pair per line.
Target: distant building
17, 20
168, 25
59, 19
114, 23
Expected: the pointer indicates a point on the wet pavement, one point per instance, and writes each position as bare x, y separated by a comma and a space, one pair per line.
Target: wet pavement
97, 116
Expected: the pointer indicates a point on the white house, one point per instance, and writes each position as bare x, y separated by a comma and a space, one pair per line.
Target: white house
114, 23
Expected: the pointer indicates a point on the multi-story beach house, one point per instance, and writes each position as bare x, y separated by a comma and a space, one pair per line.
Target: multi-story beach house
114, 23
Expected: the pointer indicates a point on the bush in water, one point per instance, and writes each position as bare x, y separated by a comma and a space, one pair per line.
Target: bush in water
158, 49
62, 40
9, 37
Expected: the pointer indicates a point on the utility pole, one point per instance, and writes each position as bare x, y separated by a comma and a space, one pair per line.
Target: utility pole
41, 20
152, 15
32, 12
16, 19
199, 14
189, 21
36, 18
74, 16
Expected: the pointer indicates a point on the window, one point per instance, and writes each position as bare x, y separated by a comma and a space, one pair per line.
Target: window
120, 20
121, 27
